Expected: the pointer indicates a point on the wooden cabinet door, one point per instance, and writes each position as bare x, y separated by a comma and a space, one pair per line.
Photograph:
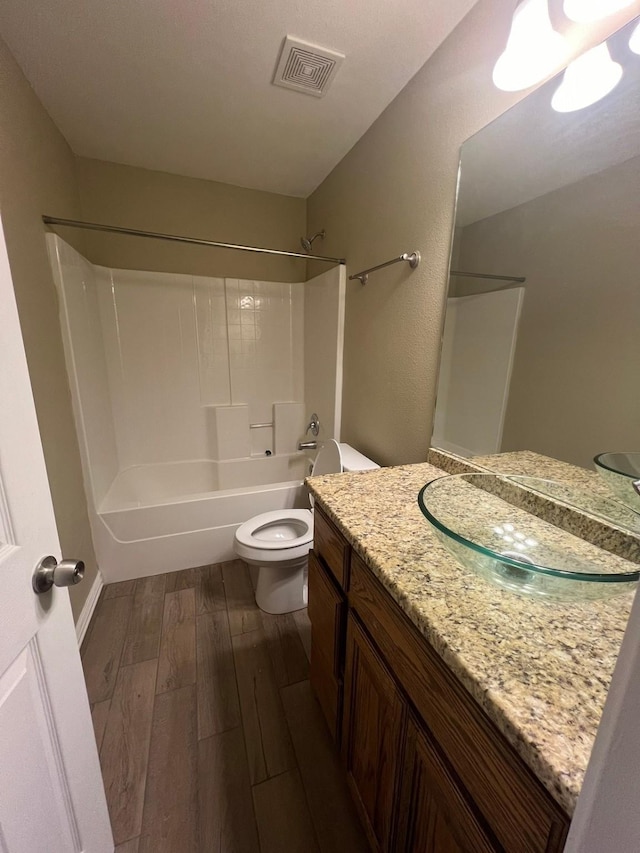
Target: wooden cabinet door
373, 723
435, 815
327, 608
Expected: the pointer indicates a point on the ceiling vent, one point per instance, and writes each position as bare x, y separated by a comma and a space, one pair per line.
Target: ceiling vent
306, 67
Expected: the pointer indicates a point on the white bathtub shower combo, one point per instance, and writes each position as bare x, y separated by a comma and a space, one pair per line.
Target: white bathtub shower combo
190, 395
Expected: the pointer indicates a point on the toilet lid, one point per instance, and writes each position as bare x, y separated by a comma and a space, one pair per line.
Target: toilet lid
328, 461
279, 529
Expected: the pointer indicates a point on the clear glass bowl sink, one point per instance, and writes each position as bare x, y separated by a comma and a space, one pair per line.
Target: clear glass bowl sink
620, 471
472, 517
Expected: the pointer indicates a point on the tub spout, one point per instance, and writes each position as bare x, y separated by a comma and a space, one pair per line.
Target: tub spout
307, 445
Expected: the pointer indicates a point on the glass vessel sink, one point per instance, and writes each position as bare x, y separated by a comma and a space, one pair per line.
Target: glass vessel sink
480, 519
620, 471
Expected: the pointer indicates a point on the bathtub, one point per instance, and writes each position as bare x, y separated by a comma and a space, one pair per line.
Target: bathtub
174, 515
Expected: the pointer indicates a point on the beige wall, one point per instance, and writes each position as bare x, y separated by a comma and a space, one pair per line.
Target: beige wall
574, 387
37, 176
156, 201
394, 192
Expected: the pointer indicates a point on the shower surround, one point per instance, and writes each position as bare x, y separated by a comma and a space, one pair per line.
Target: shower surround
171, 375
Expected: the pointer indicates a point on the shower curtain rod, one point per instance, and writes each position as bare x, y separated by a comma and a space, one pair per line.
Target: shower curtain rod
488, 275
116, 229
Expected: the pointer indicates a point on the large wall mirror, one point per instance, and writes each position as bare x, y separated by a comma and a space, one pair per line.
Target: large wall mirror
541, 348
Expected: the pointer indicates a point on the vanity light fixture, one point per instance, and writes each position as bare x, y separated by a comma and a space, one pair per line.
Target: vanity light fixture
634, 41
587, 79
584, 11
534, 49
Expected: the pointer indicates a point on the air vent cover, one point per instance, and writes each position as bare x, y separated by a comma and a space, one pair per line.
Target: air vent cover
306, 67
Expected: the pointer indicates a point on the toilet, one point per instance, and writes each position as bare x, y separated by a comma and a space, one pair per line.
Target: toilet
278, 542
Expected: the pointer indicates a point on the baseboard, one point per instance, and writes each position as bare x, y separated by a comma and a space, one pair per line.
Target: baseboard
87, 610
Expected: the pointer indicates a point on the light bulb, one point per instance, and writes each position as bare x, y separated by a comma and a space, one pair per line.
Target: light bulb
587, 79
534, 49
584, 11
634, 41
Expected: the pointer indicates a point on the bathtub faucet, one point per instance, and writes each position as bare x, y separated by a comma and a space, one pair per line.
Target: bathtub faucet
307, 445
313, 425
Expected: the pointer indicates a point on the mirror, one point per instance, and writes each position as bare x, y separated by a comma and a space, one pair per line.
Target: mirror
541, 348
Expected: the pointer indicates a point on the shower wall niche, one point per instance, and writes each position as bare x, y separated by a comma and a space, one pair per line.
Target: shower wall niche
168, 368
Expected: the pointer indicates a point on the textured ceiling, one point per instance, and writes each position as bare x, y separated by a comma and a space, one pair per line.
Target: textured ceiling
185, 87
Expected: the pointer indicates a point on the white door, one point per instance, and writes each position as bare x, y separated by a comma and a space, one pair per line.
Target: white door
51, 794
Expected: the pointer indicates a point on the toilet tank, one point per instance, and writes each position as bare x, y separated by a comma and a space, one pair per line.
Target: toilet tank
353, 460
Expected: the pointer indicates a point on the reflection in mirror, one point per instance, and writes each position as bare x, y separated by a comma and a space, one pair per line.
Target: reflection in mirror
546, 359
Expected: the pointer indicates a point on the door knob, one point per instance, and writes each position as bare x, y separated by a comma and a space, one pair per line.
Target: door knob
50, 572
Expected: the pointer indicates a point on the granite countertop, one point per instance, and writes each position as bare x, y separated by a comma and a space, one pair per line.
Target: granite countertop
577, 500
595, 497
540, 670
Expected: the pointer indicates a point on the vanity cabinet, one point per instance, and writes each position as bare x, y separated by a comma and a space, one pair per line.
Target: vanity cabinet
374, 719
327, 611
434, 812
428, 770
405, 793
329, 565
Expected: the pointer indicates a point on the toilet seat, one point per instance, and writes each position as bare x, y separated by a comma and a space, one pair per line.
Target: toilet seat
277, 529
285, 534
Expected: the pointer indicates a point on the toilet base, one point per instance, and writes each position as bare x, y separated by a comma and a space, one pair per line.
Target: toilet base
282, 586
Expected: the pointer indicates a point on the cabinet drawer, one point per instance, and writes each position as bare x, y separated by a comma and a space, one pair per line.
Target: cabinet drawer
517, 808
329, 543
327, 607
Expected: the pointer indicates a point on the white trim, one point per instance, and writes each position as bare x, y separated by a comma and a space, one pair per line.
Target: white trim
512, 356
342, 304
606, 816
89, 606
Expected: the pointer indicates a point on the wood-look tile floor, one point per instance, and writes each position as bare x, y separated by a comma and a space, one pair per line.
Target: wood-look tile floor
209, 737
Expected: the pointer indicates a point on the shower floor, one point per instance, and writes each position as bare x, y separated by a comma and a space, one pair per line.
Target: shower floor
209, 736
